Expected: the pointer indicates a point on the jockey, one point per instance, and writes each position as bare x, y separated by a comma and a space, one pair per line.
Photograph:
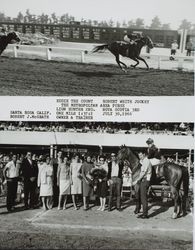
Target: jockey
153, 152
130, 38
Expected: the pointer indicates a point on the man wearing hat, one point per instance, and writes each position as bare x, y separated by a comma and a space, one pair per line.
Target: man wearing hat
153, 153
115, 181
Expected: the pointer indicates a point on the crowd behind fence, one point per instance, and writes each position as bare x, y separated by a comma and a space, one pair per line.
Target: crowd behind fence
101, 127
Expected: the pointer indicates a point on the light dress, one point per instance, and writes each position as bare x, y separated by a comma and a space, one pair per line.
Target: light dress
64, 178
45, 179
76, 187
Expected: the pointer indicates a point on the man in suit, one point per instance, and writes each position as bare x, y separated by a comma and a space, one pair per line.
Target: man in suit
55, 163
29, 172
115, 181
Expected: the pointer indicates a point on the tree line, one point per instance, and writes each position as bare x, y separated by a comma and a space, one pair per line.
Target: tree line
67, 18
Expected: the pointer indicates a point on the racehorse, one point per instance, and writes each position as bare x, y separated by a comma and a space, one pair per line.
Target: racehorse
131, 51
175, 175
6, 39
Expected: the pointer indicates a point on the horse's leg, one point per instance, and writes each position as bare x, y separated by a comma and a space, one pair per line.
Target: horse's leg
175, 194
119, 63
141, 59
134, 59
183, 205
180, 203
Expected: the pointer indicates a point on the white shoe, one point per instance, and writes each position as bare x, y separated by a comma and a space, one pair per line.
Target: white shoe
102, 209
99, 208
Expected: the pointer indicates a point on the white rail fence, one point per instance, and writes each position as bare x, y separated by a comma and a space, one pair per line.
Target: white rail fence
157, 61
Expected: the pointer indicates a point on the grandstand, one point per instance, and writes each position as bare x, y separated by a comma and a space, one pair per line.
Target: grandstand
48, 138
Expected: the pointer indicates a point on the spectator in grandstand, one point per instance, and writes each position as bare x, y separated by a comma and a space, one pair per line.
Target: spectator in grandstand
174, 47
11, 175
114, 181
189, 47
63, 181
86, 169
144, 181
29, 171
99, 174
76, 188
45, 182
182, 126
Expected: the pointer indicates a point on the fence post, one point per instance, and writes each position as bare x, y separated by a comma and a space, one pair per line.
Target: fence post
189, 160
48, 52
180, 63
55, 151
176, 157
15, 51
159, 62
51, 151
82, 56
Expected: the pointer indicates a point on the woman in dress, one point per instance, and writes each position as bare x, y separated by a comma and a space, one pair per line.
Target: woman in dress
63, 181
76, 183
86, 168
45, 182
99, 174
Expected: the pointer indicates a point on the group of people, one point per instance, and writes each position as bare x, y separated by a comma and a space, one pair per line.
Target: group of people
175, 46
53, 180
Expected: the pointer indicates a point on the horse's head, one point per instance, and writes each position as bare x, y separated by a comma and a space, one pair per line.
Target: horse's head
125, 154
13, 36
148, 41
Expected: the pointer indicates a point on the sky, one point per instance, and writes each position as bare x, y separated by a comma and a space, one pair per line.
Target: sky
169, 11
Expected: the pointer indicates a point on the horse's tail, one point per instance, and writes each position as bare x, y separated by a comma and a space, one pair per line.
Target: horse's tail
100, 47
185, 181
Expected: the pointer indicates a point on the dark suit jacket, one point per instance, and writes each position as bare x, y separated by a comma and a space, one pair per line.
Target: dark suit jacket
110, 170
29, 170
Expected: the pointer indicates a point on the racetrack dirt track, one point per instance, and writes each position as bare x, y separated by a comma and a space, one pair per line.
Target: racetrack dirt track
25, 77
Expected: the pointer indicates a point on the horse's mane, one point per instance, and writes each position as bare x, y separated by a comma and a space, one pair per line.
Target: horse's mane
126, 153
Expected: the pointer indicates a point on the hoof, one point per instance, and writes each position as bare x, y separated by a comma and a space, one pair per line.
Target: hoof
174, 216
124, 70
132, 66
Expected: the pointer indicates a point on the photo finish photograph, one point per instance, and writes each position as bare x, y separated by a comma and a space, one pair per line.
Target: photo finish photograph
52, 48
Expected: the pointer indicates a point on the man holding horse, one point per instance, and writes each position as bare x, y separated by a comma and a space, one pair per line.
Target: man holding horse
143, 181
